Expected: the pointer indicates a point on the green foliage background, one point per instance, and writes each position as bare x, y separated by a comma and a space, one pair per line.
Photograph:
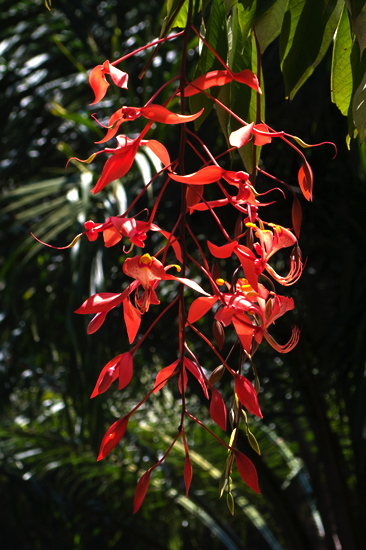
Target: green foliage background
312, 438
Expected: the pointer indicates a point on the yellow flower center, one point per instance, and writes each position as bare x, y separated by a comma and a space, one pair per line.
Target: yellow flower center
245, 286
146, 259
220, 282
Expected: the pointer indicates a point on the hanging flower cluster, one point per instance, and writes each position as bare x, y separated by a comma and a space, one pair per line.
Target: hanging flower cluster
247, 304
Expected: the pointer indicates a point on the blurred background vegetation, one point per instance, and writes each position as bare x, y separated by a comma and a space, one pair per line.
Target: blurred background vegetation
54, 494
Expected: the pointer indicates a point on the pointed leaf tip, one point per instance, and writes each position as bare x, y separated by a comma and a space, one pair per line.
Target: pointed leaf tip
141, 490
247, 471
113, 436
187, 473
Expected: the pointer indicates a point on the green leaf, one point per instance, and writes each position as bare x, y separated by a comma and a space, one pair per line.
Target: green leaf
359, 109
306, 34
341, 76
268, 26
359, 28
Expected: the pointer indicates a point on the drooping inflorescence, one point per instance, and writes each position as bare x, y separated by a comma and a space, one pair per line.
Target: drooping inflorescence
247, 304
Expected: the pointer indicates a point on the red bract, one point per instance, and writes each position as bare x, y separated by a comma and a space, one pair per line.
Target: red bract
99, 83
247, 395
141, 490
247, 471
156, 113
113, 436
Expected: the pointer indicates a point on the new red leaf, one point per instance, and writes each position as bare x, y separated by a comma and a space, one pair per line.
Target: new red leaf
164, 375
108, 375
113, 436
132, 319
200, 307
218, 409
141, 490
125, 370
197, 374
187, 473
306, 181
96, 322
247, 471
247, 395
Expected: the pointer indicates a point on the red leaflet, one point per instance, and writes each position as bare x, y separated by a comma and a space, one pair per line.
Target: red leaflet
132, 319
108, 375
141, 490
218, 409
113, 436
96, 322
164, 375
247, 471
200, 307
187, 473
125, 368
247, 395
306, 180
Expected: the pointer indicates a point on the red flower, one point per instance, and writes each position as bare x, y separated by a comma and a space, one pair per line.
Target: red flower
147, 272
156, 113
122, 158
99, 83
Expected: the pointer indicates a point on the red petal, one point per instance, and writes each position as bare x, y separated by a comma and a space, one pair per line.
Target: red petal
247, 471
119, 77
306, 181
242, 136
248, 78
98, 83
158, 113
213, 78
108, 375
164, 375
218, 409
187, 473
96, 322
262, 138
296, 216
113, 436
132, 319
209, 174
117, 166
159, 150
104, 301
111, 237
141, 490
200, 307
125, 370
247, 395
222, 251
244, 332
